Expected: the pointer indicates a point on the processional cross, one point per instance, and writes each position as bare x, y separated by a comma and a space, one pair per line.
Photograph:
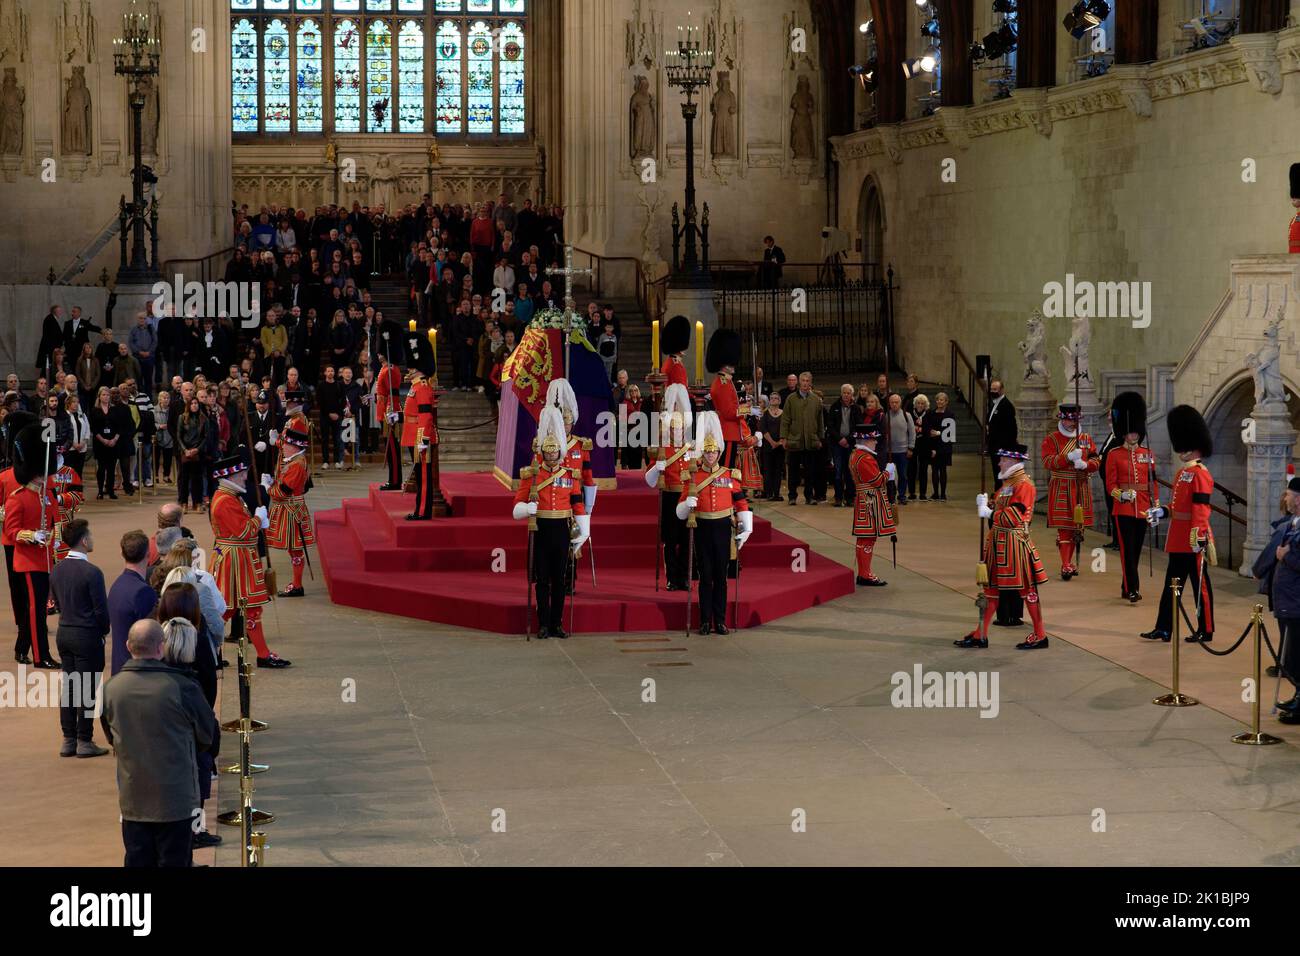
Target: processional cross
569, 313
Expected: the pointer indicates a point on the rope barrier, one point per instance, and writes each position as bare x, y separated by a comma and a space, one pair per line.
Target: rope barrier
467, 428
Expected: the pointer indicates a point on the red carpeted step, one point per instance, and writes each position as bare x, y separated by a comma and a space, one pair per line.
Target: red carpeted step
467, 570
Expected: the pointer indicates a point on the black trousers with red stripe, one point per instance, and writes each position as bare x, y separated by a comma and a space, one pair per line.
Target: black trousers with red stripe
393, 458
33, 594
24, 642
1131, 532
424, 484
1187, 568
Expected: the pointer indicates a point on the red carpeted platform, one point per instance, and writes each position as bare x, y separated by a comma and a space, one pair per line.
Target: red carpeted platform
468, 569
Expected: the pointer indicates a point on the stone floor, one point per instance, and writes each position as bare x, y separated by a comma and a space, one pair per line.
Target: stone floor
770, 747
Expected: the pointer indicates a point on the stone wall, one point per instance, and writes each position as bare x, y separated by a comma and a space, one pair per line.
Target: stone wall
26, 306
1134, 176
45, 42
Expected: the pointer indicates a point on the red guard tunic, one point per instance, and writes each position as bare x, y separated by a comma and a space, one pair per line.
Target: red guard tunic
290, 518
1190, 507
1131, 469
23, 516
1012, 559
408, 419
873, 515
727, 404
8, 485
577, 457
1068, 486
674, 371
69, 495
424, 401
559, 494
719, 493
387, 386
1294, 238
677, 467
236, 567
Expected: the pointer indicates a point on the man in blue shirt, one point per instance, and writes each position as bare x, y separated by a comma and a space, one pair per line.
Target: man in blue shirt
131, 598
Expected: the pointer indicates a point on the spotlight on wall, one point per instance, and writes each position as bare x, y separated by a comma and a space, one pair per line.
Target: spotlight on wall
1004, 6
1086, 15
866, 74
930, 28
911, 67
921, 3
1000, 42
865, 26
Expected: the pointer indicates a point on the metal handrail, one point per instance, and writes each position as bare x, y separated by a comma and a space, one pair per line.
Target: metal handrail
972, 380
1231, 496
169, 266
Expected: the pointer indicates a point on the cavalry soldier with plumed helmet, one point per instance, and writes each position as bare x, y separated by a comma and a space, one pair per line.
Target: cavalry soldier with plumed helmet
670, 466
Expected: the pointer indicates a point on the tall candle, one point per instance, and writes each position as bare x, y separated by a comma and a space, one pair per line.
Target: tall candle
699, 353
433, 341
412, 325
654, 343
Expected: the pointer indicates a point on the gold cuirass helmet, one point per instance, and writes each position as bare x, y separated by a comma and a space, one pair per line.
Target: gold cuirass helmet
711, 443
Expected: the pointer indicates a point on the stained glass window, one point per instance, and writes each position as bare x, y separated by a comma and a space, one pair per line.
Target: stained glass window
410, 78
243, 77
478, 107
347, 77
311, 86
276, 78
353, 66
511, 78
448, 78
379, 77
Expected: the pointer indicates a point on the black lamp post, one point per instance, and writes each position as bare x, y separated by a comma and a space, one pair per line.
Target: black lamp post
689, 68
135, 56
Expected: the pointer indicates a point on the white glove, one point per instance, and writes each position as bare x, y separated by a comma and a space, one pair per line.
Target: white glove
660, 465
584, 531
423, 447
1075, 455
1154, 516
392, 418
273, 435
982, 505
267, 482
891, 472
684, 508
522, 509
746, 528
260, 515
260, 446
1080, 464
758, 438
40, 537
589, 499
1128, 496
652, 475
1196, 546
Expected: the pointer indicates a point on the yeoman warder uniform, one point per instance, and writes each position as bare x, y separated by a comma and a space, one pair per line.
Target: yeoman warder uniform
1070, 458
290, 529
873, 514
1009, 552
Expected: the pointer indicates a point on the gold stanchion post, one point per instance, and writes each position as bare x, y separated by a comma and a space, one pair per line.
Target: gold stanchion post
1253, 736
1175, 699
247, 815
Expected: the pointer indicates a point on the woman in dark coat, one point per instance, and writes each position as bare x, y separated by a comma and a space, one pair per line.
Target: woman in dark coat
772, 452
938, 424
106, 438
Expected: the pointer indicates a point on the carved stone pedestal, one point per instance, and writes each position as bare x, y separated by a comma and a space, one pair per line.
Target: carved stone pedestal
1266, 461
1035, 418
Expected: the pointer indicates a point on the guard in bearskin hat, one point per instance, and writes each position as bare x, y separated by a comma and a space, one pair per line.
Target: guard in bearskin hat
873, 513
14, 423
236, 567
30, 517
1190, 542
1010, 556
1071, 459
290, 528
676, 340
388, 388
1131, 485
721, 359
422, 399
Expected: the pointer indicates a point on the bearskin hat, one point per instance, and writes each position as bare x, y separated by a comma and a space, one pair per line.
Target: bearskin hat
677, 335
1128, 413
1295, 180
724, 349
14, 424
1188, 431
29, 453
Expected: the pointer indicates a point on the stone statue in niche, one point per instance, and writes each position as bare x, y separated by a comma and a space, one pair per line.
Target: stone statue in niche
643, 125
803, 140
384, 185
149, 116
12, 98
724, 109
1269, 387
1080, 341
1034, 347
76, 115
